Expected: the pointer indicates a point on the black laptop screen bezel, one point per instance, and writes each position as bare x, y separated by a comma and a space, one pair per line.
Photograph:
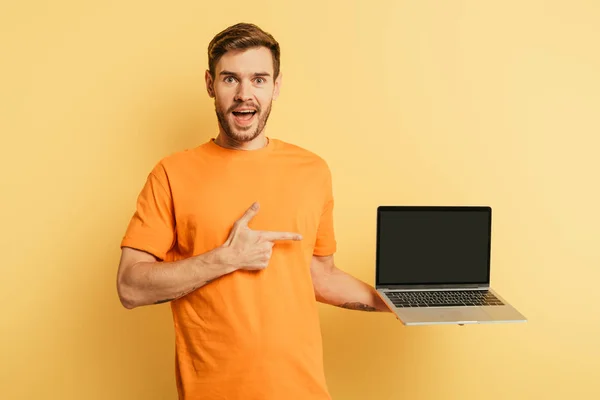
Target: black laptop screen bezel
383, 209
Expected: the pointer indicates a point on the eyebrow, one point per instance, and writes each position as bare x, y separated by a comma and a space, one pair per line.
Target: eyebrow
260, 74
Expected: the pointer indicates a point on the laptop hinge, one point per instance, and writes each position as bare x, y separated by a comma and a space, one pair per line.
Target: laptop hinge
469, 286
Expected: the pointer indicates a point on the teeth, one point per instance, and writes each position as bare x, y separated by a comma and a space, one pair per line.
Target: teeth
246, 111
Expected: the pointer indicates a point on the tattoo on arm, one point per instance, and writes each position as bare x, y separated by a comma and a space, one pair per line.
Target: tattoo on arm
357, 306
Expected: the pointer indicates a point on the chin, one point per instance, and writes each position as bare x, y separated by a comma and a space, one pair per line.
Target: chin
244, 136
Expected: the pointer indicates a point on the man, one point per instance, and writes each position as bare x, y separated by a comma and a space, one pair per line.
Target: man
237, 234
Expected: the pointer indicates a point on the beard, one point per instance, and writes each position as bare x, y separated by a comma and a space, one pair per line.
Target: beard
242, 134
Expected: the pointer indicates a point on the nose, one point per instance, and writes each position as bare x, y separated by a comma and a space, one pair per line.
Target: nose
244, 92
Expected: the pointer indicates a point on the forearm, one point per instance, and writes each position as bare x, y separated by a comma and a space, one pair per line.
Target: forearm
148, 283
341, 289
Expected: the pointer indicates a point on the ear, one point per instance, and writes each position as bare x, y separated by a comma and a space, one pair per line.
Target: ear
277, 86
209, 84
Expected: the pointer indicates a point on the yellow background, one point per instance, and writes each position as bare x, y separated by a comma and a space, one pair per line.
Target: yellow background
428, 102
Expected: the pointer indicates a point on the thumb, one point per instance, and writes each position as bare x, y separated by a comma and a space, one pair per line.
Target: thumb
250, 213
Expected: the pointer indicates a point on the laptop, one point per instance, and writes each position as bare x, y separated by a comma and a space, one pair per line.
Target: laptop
433, 265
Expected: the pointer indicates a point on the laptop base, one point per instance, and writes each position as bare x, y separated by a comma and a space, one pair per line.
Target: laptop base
414, 316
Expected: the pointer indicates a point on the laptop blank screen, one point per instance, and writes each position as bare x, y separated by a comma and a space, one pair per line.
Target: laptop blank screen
433, 245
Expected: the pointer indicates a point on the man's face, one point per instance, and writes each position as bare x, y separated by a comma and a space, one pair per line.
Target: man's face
244, 90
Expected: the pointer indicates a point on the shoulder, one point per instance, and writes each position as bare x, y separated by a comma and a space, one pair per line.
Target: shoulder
300, 154
172, 163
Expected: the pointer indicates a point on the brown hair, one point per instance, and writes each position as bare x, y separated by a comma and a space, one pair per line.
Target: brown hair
240, 37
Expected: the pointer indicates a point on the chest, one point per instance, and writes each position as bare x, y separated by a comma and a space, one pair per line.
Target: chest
207, 202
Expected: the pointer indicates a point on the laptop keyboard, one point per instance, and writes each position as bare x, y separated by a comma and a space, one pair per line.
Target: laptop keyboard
448, 298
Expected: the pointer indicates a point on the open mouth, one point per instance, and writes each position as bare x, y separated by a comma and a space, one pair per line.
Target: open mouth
244, 116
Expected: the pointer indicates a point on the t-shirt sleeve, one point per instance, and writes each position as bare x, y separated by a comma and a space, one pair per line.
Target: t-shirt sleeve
152, 226
325, 244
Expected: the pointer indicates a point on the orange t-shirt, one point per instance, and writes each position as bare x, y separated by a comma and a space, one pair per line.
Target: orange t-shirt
249, 334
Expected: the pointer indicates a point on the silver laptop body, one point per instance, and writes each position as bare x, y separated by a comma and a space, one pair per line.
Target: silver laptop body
433, 265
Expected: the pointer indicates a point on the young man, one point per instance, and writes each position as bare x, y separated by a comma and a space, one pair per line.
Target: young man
237, 234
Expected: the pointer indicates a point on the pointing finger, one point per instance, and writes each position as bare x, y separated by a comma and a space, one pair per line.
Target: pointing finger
271, 236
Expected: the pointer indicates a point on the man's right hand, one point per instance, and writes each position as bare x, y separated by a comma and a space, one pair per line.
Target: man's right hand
251, 249
143, 280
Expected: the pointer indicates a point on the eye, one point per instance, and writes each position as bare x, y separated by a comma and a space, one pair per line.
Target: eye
229, 79
260, 80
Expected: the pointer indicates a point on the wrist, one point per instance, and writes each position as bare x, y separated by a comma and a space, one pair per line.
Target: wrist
224, 258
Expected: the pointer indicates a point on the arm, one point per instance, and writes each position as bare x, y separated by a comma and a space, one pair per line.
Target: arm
143, 280
336, 287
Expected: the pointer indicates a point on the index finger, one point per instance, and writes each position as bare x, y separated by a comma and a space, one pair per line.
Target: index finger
271, 235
